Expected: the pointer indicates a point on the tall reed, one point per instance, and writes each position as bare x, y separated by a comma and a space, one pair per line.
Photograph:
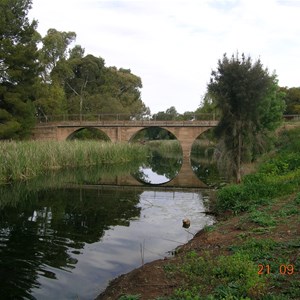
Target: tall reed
24, 160
164, 146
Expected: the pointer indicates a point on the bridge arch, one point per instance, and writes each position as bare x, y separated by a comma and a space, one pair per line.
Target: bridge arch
97, 132
135, 135
65, 132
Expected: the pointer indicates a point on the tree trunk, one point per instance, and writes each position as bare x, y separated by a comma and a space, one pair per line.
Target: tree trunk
239, 154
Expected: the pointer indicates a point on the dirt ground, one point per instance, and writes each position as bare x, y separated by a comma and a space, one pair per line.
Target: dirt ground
150, 281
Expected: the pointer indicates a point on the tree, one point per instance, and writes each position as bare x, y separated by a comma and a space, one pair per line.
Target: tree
292, 100
250, 106
82, 86
170, 114
123, 87
55, 67
18, 68
50, 99
73, 83
207, 106
54, 50
94, 88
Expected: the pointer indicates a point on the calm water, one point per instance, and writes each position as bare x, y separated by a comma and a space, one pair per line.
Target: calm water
62, 240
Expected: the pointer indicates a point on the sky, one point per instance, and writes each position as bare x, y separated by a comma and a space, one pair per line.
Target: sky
174, 45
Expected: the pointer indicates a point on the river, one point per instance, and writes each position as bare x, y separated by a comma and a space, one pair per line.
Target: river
67, 234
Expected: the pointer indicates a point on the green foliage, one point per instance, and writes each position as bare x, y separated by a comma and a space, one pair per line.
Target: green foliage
129, 297
277, 176
289, 140
18, 68
24, 160
164, 158
268, 252
208, 105
230, 198
164, 146
292, 99
89, 134
288, 210
190, 294
257, 250
54, 50
256, 189
154, 133
50, 99
297, 199
224, 277
170, 114
209, 228
262, 218
250, 106
90, 87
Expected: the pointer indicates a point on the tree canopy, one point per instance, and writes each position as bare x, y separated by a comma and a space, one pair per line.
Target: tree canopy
250, 106
82, 83
292, 100
18, 68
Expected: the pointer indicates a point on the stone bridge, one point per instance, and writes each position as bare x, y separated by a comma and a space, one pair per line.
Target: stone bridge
125, 130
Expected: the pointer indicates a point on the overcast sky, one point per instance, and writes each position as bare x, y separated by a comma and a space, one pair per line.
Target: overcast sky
173, 45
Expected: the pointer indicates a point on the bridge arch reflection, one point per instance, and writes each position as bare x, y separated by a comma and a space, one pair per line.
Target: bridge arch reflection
186, 178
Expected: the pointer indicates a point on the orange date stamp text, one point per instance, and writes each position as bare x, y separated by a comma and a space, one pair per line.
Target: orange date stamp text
282, 269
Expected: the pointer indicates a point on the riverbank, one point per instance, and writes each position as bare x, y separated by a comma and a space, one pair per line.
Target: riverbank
251, 253
24, 160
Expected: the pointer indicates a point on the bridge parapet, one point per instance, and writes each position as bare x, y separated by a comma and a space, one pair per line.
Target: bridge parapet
130, 123
117, 117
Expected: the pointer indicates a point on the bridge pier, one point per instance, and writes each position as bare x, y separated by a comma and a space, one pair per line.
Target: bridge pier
186, 137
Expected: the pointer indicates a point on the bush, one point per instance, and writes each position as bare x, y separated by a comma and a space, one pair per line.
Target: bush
229, 197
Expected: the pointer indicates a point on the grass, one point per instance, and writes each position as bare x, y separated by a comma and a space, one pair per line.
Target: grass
129, 297
224, 277
25, 160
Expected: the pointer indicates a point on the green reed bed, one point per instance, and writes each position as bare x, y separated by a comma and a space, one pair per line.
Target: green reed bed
24, 160
164, 146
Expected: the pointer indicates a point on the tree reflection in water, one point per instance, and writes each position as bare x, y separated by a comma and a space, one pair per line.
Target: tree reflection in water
43, 230
159, 168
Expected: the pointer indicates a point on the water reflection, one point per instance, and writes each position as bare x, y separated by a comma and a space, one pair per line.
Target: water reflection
203, 160
67, 243
41, 236
159, 168
207, 171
